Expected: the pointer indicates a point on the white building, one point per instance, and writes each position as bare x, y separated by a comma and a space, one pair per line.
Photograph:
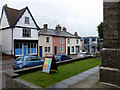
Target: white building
19, 32
73, 44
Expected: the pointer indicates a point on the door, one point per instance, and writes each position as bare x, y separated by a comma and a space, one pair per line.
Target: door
68, 50
25, 50
40, 51
55, 50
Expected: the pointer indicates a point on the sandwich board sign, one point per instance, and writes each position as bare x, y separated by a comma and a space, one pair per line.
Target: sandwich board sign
49, 64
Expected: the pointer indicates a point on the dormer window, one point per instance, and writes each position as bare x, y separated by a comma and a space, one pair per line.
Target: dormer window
27, 20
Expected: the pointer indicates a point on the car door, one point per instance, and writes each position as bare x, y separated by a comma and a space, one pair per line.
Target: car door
29, 62
36, 61
64, 57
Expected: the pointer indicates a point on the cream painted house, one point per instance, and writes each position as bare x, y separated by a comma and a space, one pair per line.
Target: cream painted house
44, 45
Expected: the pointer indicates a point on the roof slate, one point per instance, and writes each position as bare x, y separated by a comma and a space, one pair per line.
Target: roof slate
52, 32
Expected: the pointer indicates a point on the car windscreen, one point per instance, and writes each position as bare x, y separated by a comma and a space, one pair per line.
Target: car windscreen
57, 56
19, 59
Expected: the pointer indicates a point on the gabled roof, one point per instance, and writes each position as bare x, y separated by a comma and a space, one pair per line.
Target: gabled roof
13, 15
52, 32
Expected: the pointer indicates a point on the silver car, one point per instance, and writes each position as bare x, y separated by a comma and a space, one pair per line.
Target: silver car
83, 54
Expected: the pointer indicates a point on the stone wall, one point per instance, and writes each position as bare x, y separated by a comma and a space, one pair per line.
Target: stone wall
110, 67
12, 79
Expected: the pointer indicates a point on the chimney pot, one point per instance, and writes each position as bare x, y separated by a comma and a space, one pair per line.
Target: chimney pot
45, 26
64, 29
76, 34
58, 27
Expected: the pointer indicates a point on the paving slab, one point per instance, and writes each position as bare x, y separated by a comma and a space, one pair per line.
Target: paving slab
59, 85
69, 81
83, 80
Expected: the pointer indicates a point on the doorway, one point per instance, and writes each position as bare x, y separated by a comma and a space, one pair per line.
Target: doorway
40, 51
55, 50
68, 49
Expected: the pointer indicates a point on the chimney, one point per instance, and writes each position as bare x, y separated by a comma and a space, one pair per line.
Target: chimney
76, 34
5, 5
64, 29
45, 26
58, 27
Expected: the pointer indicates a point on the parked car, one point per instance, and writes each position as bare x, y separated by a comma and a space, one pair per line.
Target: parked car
26, 61
61, 57
83, 54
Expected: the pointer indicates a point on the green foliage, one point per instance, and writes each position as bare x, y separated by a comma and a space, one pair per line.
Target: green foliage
100, 30
64, 71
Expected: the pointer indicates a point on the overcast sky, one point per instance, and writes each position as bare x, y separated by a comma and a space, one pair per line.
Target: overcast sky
82, 16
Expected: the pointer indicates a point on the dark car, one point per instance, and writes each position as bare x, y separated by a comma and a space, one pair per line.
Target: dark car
61, 57
27, 61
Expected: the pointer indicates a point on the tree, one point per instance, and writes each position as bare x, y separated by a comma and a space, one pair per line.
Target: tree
100, 30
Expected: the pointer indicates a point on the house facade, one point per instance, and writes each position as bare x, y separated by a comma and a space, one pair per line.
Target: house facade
57, 41
90, 44
73, 45
19, 32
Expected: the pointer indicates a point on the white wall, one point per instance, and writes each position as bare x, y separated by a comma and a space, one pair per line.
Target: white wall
22, 20
0, 37
6, 41
4, 21
72, 43
42, 42
17, 34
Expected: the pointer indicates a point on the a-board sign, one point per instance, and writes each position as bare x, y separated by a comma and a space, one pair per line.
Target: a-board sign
49, 64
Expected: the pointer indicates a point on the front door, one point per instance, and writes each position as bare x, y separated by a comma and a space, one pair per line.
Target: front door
25, 50
68, 50
55, 50
40, 51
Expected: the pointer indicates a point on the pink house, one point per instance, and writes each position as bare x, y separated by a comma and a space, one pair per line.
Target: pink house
58, 45
57, 41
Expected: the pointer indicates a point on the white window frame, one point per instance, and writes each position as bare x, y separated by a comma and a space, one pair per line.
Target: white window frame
61, 49
77, 41
73, 49
61, 40
47, 49
48, 39
26, 31
27, 20
68, 40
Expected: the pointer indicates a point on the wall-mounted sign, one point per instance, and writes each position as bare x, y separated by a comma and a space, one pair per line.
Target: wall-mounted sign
49, 64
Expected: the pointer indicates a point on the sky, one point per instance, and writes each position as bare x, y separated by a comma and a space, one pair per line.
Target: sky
81, 16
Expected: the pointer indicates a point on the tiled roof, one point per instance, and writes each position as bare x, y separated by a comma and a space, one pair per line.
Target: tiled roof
13, 14
52, 32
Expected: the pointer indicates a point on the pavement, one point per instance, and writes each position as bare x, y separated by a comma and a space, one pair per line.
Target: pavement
86, 79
